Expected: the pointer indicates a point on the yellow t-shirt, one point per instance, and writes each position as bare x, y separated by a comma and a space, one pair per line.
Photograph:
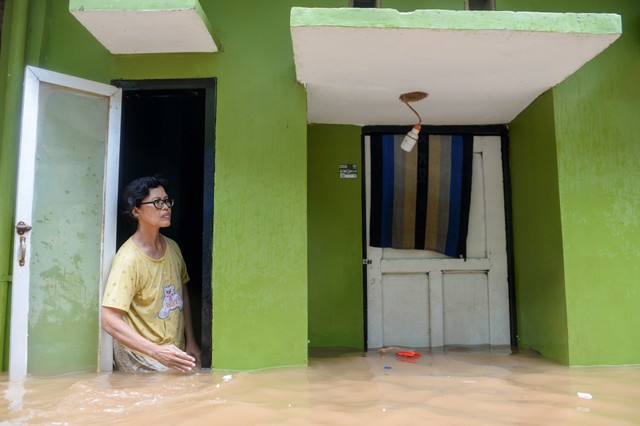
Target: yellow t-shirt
149, 291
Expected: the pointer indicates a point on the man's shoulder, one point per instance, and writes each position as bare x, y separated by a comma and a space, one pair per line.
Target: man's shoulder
171, 244
169, 241
126, 249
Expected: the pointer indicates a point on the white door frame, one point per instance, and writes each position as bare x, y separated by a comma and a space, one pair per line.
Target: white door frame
24, 206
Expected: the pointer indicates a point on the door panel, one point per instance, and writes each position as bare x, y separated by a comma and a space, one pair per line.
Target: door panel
406, 309
466, 299
466, 308
68, 147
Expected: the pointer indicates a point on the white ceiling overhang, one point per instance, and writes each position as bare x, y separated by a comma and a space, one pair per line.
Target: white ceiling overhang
478, 67
143, 26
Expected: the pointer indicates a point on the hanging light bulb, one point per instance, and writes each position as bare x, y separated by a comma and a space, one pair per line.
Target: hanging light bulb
411, 138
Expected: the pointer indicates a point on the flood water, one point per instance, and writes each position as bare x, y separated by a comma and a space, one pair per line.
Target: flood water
446, 387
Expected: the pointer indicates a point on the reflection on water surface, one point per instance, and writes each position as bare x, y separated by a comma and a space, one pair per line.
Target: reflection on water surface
452, 387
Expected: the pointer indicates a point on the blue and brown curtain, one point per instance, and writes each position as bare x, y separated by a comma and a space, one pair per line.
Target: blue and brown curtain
420, 199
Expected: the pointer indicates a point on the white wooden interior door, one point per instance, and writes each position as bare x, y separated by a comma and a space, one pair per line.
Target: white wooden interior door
67, 195
423, 299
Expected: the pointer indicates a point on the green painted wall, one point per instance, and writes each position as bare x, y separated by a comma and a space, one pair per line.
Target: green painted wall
539, 274
336, 313
8, 155
599, 168
597, 135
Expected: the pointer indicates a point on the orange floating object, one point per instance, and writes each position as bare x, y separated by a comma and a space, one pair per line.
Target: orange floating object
409, 354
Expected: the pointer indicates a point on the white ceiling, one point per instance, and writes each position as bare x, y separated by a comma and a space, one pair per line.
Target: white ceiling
125, 31
477, 68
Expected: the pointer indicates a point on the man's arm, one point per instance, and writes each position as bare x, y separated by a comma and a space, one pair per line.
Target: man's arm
167, 355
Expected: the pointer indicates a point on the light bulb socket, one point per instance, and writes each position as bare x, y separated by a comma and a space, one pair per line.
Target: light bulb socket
410, 139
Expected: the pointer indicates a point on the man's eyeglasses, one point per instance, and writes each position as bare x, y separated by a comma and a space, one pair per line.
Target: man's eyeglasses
159, 204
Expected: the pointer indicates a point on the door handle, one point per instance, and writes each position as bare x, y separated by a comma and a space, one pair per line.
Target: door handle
22, 228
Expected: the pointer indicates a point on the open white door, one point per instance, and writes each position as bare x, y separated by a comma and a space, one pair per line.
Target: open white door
420, 298
66, 209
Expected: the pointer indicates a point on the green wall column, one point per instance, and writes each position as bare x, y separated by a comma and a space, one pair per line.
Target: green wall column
12, 76
336, 313
598, 134
537, 230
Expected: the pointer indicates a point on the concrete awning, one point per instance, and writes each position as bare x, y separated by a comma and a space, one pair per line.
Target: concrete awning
478, 67
136, 27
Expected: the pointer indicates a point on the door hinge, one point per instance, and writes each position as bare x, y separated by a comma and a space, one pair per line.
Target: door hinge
367, 261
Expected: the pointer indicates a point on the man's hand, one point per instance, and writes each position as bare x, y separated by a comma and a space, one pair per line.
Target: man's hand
172, 357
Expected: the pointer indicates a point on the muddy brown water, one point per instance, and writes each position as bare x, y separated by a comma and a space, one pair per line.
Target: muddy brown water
459, 386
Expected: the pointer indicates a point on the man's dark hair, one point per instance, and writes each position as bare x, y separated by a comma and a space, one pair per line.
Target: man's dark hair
138, 190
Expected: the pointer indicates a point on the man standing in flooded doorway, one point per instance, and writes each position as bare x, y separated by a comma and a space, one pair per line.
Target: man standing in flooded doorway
146, 306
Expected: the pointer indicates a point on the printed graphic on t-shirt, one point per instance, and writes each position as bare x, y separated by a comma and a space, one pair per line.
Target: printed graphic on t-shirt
171, 301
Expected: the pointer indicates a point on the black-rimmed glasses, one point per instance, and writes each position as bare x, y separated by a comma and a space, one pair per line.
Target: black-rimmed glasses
159, 204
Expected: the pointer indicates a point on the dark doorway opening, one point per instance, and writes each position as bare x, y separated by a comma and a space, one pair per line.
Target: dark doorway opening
168, 127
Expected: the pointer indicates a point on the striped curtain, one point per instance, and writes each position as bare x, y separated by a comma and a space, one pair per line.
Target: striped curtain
420, 199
